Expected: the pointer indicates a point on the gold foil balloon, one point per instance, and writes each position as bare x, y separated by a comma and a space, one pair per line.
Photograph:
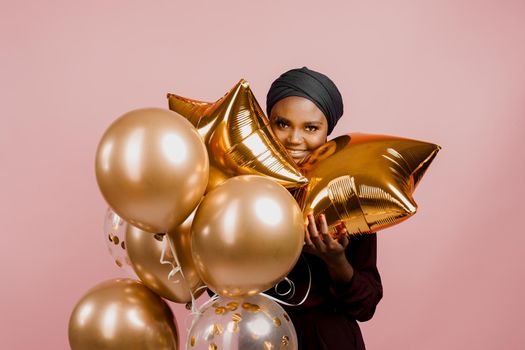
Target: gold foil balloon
364, 180
122, 314
250, 323
152, 168
145, 251
238, 137
246, 236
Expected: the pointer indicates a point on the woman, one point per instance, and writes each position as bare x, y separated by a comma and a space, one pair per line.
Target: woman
303, 107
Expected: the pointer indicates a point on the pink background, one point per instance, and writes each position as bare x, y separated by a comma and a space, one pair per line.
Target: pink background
451, 72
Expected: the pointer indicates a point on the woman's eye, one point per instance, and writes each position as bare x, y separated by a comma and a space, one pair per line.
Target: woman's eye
311, 128
281, 124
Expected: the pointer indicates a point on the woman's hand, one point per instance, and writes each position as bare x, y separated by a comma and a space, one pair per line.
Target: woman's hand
318, 240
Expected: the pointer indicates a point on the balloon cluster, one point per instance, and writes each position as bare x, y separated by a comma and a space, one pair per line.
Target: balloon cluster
198, 198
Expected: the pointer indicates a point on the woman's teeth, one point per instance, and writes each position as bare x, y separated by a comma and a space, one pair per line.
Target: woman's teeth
297, 153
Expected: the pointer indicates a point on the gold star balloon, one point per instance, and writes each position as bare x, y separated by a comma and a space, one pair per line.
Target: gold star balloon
365, 181
238, 137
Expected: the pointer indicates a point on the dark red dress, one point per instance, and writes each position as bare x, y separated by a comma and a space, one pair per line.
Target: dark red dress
327, 320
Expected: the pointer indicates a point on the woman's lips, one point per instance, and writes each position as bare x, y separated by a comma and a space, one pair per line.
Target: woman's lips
297, 154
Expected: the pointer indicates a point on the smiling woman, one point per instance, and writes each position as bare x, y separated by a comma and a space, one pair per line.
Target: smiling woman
304, 106
299, 125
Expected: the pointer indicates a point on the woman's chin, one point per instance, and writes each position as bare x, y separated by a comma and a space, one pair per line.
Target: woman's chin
298, 160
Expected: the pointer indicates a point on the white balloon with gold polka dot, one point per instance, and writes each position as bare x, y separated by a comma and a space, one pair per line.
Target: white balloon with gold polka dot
115, 238
245, 323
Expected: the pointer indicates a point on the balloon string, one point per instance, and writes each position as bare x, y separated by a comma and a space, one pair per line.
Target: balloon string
292, 289
176, 258
175, 268
167, 242
197, 311
192, 293
194, 309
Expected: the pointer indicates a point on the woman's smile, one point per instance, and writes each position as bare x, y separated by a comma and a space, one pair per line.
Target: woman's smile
297, 154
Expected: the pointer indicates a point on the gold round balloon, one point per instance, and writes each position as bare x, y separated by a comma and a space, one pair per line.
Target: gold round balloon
145, 250
239, 138
246, 236
181, 238
365, 181
122, 314
152, 168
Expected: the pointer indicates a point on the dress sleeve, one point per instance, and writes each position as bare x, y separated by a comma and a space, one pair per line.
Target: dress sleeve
359, 297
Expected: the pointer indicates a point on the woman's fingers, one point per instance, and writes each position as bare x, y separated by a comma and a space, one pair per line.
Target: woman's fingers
307, 240
314, 233
309, 247
325, 232
318, 239
343, 238
312, 228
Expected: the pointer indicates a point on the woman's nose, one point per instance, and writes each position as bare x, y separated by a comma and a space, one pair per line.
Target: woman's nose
294, 137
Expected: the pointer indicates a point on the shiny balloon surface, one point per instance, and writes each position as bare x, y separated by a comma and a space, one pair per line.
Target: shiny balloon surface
122, 314
365, 181
152, 168
115, 239
250, 323
145, 251
238, 138
246, 236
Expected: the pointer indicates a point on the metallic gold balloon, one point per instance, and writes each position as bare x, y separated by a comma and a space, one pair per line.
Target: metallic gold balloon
152, 168
364, 180
246, 236
238, 137
181, 238
145, 250
254, 322
122, 314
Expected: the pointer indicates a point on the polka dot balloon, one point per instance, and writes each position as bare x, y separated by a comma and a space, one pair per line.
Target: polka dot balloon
254, 322
115, 233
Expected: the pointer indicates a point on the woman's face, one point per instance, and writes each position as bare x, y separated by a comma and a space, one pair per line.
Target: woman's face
299, 124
